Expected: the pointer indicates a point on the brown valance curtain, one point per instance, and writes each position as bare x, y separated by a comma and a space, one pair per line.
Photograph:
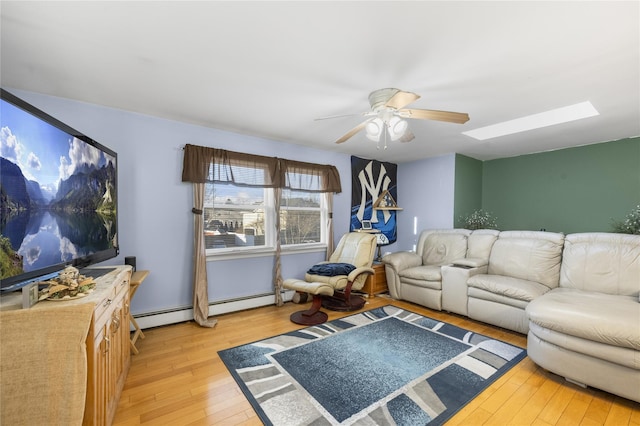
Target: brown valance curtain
202, 164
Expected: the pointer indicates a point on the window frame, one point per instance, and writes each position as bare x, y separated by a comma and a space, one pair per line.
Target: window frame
269, 248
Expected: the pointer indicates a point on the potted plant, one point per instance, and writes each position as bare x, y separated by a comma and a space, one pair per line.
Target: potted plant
480, 219
631, 223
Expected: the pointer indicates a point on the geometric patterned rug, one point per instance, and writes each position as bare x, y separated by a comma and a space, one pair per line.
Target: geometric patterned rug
386, 366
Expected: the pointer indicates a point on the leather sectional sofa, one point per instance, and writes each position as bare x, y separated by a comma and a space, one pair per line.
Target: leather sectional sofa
577, 297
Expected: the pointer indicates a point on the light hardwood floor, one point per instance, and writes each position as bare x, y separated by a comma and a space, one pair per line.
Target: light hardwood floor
178, 378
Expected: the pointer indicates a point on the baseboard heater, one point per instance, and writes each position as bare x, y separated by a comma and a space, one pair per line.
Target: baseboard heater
182, 314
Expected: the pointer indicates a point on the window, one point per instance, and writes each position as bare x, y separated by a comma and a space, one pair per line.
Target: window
301, 216
241, 219
234, 217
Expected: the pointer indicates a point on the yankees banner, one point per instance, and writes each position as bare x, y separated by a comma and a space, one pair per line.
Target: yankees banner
369, 180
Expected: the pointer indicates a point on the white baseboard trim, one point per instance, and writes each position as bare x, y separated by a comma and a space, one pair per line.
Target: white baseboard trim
217, 308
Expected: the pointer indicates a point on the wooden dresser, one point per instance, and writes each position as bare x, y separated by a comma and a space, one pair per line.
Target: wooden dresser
107, 342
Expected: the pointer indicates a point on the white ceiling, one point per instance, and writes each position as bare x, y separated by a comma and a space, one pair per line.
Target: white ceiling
270, 68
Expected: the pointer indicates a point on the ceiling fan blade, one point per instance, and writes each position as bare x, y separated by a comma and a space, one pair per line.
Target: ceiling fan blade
407, 137
362, 114
353, 131
401, 99
427, 114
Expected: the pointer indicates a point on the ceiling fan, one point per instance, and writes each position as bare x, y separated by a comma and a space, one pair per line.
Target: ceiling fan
387, 116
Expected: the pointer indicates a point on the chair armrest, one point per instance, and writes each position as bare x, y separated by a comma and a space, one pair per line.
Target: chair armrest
356, 272
402, 260
471, 262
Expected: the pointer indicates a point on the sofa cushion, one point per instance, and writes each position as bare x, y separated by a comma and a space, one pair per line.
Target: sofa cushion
602, 262
477, 294
599, 317
514, 288
442, 248
577, 345
528, 255
480, 242
424, 273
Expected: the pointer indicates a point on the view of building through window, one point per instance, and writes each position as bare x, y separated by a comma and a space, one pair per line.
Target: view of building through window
241, 217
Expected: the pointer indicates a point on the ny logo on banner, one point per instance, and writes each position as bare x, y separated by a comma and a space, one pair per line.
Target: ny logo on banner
373, 186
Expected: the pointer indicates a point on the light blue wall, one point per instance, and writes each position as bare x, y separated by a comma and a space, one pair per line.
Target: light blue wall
426, 194
155, 219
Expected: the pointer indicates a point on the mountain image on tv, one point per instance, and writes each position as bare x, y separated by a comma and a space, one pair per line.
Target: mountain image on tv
88, 190
57, 195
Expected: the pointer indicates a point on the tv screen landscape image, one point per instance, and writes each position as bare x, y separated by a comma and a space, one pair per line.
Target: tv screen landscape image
58, 196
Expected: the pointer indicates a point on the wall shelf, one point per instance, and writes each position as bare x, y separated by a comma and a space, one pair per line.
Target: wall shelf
386, 202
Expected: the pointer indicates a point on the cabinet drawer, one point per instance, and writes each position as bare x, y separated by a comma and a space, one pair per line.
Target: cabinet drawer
104, 309
106, 305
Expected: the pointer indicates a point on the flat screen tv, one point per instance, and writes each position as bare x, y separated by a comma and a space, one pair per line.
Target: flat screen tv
58, 196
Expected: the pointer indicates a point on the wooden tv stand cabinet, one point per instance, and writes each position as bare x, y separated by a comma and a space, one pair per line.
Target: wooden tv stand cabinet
108, 347
107, 343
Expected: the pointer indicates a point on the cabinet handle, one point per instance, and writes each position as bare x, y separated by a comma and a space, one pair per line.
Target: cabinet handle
107, 344
116, 323
108, 302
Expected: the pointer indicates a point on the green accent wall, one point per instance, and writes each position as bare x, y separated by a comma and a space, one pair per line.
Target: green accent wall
467, 188
580, 189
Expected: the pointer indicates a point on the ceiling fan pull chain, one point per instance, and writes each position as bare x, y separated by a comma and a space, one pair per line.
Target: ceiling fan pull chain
386, 131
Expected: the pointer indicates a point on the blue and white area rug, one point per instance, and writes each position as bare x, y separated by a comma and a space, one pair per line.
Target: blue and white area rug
386, 366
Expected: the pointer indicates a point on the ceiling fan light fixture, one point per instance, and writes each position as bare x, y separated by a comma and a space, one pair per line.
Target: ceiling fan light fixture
397, 128
374, 129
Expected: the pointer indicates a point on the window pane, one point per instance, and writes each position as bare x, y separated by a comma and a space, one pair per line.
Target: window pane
299, 226
233, 217
300, 199
300, 217
228, 228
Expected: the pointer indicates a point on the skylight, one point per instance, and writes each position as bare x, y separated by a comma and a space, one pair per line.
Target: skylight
535, 121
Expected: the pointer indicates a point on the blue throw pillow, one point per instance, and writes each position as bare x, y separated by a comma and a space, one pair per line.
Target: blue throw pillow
331, 269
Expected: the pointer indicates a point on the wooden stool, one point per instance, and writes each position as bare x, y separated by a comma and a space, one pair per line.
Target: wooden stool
136, 279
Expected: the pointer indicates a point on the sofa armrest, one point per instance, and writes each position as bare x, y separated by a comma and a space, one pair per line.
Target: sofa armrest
396, 262
402, 260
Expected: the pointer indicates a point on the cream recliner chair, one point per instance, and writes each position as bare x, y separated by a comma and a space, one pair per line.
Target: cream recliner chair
332, 282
